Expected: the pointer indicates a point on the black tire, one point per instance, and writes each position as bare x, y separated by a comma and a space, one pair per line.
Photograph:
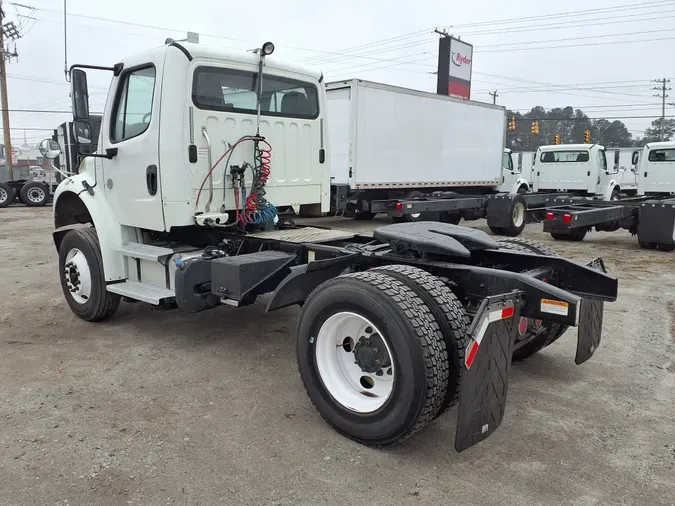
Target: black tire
425, 216
517, 216
364, 216
575, 235
6, 195
452, 219
522, 190
665, 246
615, 195
100, 304
34, 194
414, 338
545, 333
449, 314
497, 230
536, 247
646, 245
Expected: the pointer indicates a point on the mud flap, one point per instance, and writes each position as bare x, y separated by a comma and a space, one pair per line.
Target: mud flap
590, 329
485, 379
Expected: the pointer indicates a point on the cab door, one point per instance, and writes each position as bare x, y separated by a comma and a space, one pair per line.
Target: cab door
130, 136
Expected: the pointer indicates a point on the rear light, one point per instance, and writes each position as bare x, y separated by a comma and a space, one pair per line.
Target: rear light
550, 216
567, 218
399, 206
522, 326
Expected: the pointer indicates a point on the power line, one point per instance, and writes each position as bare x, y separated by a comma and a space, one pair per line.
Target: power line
631, 7
662, 95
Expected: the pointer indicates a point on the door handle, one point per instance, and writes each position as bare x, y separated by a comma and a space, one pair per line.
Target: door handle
645, 174
151, 179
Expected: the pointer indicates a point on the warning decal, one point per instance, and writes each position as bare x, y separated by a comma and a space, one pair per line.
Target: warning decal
555, 307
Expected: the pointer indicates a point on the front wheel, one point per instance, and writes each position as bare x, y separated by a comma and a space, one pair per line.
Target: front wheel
82, 279
372, 357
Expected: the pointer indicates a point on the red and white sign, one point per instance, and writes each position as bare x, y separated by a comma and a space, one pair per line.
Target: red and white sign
15, 152
461, 57
455, 60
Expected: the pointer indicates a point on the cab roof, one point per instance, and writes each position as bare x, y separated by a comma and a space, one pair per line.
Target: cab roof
567, 147
202, 51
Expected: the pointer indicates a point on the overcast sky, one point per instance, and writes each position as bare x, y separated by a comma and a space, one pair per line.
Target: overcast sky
617, 47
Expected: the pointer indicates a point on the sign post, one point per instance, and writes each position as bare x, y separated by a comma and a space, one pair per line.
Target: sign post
455, 58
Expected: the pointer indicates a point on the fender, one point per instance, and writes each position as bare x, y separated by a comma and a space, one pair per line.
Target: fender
69, 197
609, 188
519, 182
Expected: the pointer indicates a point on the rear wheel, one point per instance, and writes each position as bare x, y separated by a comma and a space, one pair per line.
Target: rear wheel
372, 357
497, 230
425, 216
364, 216
575, 235
449, 314
34, 194
82, 279
517, 217
6, 195
540, 333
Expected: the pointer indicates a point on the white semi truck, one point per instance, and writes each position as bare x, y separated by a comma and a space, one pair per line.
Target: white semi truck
418, 156
176, 208
583, 169
517, 169
649, 214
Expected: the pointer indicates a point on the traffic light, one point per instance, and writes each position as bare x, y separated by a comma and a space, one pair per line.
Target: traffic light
535, 127
587, 137
512, 124
556, 139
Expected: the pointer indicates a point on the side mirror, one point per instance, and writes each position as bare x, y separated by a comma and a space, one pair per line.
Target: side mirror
79, 94
82, 132
636, 157
50, 149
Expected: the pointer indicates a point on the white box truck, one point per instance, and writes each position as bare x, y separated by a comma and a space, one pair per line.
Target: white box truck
415, 155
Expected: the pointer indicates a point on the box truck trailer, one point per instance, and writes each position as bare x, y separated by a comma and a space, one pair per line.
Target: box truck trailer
417, 156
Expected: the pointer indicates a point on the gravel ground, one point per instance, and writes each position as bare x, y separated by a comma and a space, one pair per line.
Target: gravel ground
164, 407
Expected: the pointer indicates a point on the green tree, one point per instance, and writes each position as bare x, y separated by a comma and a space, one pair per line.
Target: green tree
612, 134
661, 130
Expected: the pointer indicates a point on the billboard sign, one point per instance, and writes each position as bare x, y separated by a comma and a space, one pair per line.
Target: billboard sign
455, 59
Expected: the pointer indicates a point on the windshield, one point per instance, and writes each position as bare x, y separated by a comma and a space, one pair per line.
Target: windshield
230, 90
507, 162
564, 156
662, 155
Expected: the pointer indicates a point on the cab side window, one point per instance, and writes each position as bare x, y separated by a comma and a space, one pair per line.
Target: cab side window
133, 105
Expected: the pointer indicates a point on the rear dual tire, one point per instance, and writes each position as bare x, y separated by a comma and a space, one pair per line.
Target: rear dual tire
6, 195
373, 356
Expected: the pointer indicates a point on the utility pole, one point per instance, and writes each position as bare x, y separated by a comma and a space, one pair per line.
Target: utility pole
3, 97
494, 96
662, 95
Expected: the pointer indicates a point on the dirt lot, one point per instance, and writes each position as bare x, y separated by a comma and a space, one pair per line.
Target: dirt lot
165, 407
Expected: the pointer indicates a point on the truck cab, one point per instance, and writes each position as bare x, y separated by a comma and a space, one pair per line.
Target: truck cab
516, 172
580, 169
655, 167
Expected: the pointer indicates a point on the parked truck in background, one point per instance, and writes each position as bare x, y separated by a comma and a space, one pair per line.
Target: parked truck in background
177, 209
583, 170
417, 156
649, 214
517, 171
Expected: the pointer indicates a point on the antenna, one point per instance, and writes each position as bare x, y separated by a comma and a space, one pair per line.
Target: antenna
65, 42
